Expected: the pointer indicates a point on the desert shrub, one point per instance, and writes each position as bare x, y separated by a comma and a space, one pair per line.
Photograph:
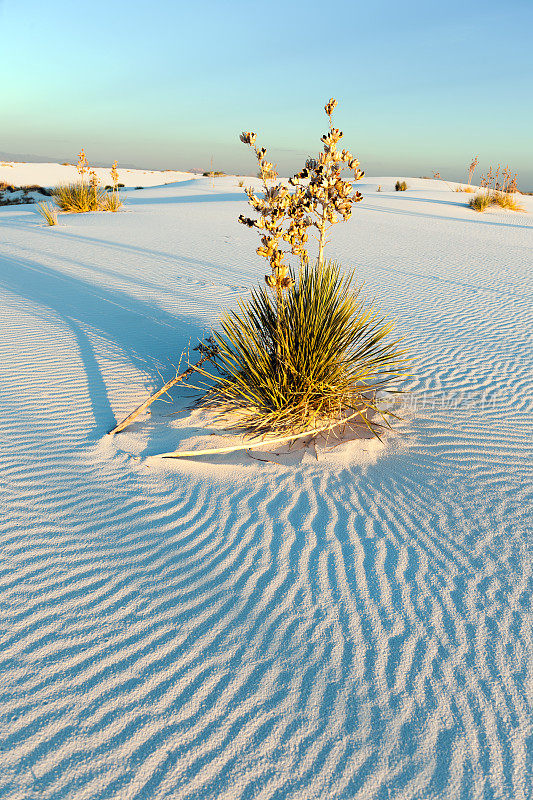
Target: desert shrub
331, 356
500, 187
34, 187
48, 213
6, 201
304, 350
401, 186
480, 202
79, 197
505, 200
240, 184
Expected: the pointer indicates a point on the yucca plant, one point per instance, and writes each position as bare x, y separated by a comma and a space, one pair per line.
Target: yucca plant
324, 363
304, 353
79, 197
48, 213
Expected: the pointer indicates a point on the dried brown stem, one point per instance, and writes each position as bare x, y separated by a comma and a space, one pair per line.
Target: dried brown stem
260, 442
168, 385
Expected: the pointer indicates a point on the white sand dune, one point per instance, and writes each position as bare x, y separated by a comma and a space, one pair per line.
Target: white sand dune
26, 173
354, 628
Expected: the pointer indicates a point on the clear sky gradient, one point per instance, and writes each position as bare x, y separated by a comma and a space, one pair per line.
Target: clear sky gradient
422, 85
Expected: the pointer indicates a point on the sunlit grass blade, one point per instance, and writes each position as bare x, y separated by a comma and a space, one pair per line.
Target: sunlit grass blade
48, 213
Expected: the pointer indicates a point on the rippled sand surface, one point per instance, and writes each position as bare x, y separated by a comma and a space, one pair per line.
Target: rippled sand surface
355, 625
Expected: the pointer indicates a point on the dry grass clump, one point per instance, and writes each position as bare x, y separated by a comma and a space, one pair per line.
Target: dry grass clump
330, 358
80, 197
401, 186
48, 213
506, 200
480, 202
500, 188
86, 195
112, 202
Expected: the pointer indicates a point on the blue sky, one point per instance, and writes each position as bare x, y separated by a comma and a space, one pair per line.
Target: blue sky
421, 86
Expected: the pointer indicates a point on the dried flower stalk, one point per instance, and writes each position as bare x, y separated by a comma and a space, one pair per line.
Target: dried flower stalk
285, 216
83, 164
327, 195
114, 175
472, 169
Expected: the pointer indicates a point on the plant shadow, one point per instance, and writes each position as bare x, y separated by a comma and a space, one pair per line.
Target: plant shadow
148, 336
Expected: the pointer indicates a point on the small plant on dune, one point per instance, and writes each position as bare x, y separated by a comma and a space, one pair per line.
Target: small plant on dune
304, 351
506, 200
401, 186
480, 202
113, 201
78, 198
86, 195
48, 213
500, 188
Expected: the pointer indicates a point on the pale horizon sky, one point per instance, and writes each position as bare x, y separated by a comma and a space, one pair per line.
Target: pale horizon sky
421, 86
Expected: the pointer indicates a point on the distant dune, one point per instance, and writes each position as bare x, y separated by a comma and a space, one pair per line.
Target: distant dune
50, 174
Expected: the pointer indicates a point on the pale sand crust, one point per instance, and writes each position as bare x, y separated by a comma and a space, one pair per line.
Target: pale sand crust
354, 627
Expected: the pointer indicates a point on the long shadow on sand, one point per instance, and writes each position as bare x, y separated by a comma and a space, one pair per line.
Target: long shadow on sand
429, 216
190, 198
144, 333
